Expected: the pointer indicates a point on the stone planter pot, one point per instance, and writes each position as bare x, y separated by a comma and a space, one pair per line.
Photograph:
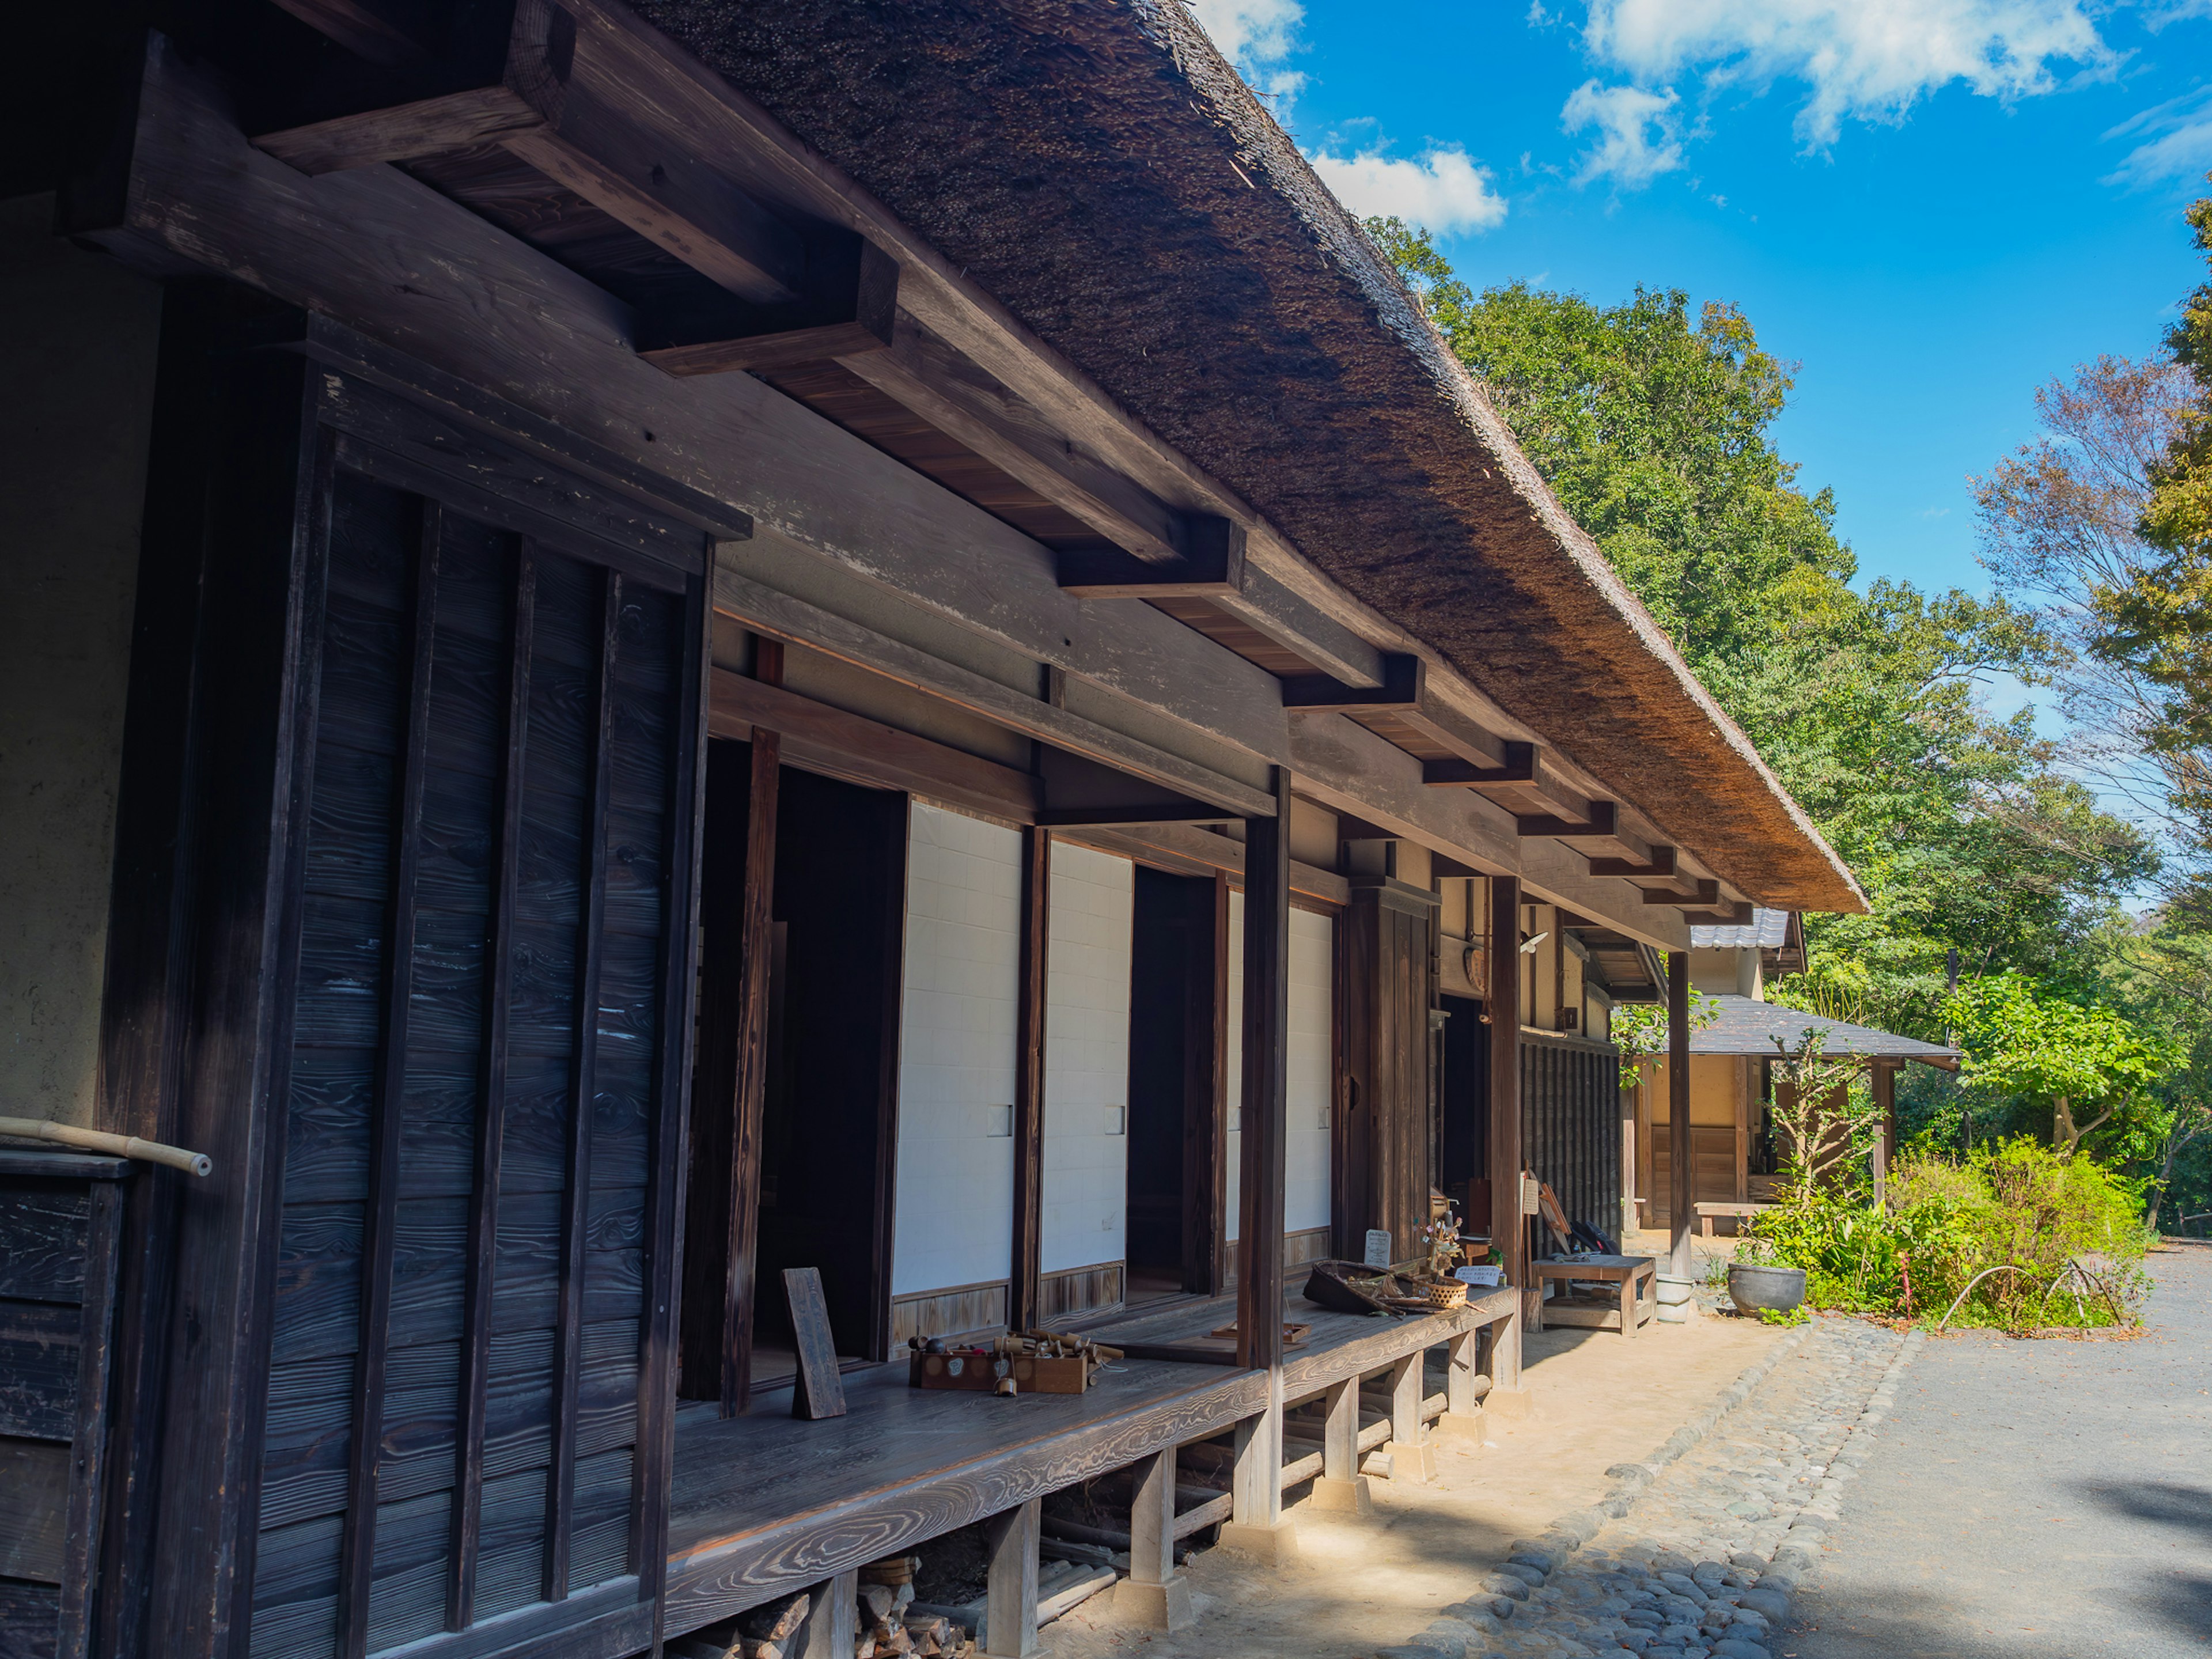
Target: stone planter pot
1752, 1288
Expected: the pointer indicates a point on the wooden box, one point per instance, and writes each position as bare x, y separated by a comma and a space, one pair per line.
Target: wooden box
978, 1369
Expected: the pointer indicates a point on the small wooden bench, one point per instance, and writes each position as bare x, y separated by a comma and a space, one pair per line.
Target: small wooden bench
1634, 1298
1740, 1211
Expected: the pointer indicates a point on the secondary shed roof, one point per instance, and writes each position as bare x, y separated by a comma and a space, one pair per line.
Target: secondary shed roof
1102, 172
1750, 1029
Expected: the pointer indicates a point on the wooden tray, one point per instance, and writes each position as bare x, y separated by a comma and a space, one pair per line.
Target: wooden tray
979, 1372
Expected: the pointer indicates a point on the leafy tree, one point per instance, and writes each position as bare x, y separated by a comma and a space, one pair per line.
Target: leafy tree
1653, 429
1640, 1028
2062, 522
2156, 624
2161, 973
2024, 1040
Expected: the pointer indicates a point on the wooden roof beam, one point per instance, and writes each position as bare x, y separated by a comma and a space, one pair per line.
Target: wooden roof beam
1724, 915
572, 102
1598, 834
1707, 894
1518, 765
1659, 861
1405, 680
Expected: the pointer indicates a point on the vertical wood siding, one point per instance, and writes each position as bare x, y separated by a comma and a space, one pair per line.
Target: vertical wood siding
499, 772
1570, 1125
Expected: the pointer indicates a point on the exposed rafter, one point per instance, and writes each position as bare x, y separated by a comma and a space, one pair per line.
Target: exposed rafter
1405, 680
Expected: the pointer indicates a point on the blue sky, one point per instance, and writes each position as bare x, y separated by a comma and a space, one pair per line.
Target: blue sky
1931, 205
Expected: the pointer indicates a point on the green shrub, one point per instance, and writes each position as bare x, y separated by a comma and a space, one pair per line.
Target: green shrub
2017, 1208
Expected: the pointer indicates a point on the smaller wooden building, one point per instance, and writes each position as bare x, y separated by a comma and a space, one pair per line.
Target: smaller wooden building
1734, 1152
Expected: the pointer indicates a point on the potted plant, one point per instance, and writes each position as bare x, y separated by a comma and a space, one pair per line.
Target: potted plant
1756, 1280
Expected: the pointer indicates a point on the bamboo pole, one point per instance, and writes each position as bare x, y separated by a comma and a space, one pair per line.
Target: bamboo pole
99, 1140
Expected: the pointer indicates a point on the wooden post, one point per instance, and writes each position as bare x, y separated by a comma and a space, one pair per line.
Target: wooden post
1023, 1286
1678, 1111
1155, 1594
1462, 1419
1413, 1459
1742, 1069
1257, 1527
1885, 1128
1010, 1617
740, 1293
1341, 1486
1206, 1086
1501, 1154
832, 1626
1502, 1150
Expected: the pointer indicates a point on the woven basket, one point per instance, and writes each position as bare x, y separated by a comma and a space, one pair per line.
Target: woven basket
1445, 1294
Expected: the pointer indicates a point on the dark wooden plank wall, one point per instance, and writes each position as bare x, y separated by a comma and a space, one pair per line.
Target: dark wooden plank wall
466, 1225
1570, 1124
1381, 1152
59, 1228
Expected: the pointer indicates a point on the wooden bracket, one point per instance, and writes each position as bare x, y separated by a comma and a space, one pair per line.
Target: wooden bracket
1519, 767
1660, 863
594, 100
1600, 824
1212, 565
1707, 894
849, 309
1405, 680
1727, 915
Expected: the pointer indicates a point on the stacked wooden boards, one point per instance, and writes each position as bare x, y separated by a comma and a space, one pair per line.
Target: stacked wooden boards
58, 1226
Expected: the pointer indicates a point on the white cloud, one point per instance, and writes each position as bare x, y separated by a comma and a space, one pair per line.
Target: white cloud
1258, 37
1637, 136
2174, 142
1446, 190
1867, 58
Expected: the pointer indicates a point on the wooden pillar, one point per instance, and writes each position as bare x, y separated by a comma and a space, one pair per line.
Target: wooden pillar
1885, 1128
831, 1630
1341, 1486
1742, 1069
1205, 1103
1462, 1419
1413, 1459
1257, 1527
1501, 1155
1678, 1111
722, 1221
1010, 1617
1025, 1271
1154, 1594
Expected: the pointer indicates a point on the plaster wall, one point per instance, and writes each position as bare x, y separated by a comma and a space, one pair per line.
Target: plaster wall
78, 338
1312, 1067
957, 1043
1086, 1066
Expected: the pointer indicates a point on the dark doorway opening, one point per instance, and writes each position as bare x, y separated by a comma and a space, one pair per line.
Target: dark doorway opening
1176, 1128
1463, 1126
828, 1110
812, 1183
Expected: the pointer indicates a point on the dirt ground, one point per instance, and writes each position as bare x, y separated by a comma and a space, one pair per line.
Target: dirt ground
1360, 1583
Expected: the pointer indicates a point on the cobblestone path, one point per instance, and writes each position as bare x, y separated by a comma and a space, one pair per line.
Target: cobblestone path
1707, 1549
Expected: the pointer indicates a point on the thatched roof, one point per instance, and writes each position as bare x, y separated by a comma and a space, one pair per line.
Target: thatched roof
1103, 173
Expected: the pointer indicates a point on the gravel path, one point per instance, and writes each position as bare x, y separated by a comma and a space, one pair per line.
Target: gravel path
1705, 1550
2035, 1499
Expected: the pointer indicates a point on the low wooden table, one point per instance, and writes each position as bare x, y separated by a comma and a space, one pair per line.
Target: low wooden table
1636, 1300
1742, 1212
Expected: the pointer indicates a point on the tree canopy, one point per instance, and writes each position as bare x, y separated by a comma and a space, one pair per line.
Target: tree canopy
1654, 429
2023, 1041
